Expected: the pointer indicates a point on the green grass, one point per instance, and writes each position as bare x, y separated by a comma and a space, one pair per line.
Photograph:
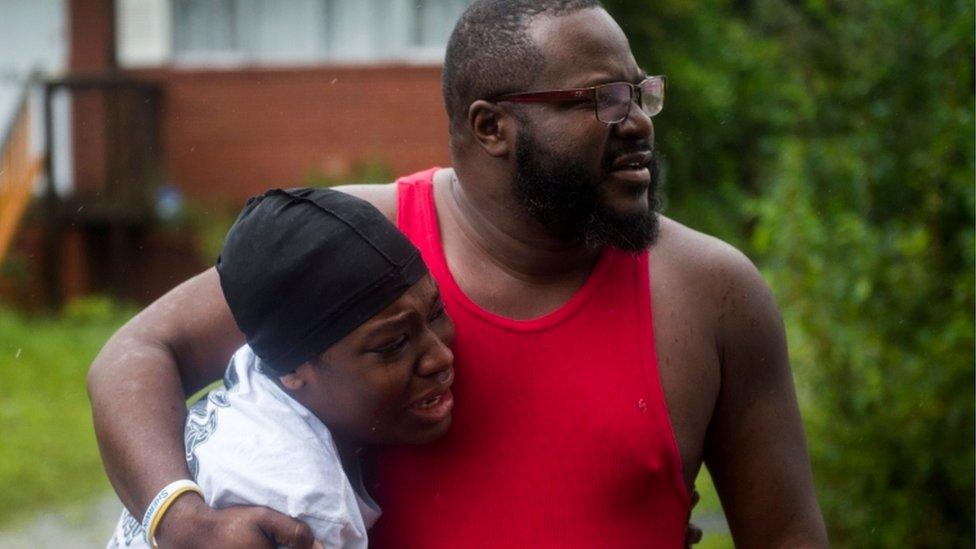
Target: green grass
705, 513
48, 455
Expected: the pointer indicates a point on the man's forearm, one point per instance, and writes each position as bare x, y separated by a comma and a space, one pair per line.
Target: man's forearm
139, 410
139, 413
139, 381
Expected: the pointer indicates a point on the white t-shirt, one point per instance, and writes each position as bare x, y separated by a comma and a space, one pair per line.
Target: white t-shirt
250, 443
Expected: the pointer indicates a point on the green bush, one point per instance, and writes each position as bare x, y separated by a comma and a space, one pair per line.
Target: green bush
210, 221
369, 169
834, 143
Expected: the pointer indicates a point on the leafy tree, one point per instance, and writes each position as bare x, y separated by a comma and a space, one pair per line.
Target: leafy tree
834, 142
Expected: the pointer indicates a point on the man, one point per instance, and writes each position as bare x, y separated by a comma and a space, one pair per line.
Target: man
583, 410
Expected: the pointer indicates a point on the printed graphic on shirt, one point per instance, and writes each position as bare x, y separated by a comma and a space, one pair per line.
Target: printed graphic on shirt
131, 528
201, 422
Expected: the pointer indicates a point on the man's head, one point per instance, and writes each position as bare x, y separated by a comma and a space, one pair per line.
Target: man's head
490, 51
570, 173
339, 307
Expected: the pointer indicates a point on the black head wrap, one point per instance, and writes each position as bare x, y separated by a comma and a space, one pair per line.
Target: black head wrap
302, 268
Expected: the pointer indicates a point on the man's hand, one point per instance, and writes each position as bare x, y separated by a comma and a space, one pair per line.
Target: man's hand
693, 534
190, 523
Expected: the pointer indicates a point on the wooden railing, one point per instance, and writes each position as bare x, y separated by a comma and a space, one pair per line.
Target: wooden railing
103, 200
114, 162
19, 169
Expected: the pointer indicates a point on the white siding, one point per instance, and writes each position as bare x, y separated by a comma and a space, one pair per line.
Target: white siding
282, 32
143, 34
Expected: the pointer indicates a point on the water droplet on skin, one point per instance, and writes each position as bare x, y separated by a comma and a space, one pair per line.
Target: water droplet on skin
642, 405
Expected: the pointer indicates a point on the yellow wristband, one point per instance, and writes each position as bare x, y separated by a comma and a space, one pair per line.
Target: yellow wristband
161, 503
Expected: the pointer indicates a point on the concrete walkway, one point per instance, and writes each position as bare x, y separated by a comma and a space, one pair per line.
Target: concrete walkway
86, 526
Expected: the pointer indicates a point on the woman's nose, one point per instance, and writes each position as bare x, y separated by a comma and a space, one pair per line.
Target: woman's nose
438, 358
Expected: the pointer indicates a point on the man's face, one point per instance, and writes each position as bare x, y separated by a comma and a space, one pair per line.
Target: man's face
577, 176
389, 380
569, 198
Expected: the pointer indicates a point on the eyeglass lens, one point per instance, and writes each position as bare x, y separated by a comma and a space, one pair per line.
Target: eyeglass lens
613, 100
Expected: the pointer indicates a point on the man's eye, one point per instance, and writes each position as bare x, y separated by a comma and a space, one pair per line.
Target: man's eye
392, 346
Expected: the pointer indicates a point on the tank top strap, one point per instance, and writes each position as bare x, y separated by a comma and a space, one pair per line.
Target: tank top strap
416, 216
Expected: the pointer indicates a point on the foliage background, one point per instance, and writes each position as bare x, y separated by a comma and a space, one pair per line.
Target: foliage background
834, 143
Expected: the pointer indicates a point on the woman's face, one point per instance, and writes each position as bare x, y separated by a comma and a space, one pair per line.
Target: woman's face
388, 381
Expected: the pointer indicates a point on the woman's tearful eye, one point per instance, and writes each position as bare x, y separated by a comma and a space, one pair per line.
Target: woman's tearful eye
391, 347
438, 314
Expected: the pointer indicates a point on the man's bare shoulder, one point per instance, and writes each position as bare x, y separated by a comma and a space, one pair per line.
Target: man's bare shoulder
700, 259
383, 196
718, 280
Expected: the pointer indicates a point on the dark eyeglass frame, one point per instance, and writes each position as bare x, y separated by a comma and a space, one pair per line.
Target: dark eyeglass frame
576, 95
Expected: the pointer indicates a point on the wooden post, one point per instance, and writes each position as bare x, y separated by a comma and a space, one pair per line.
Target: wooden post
52, 224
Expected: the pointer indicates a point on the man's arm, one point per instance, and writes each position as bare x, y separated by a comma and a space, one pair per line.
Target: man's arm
756, 450
137, 386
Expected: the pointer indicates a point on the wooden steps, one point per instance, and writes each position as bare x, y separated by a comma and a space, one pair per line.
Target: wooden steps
19, 169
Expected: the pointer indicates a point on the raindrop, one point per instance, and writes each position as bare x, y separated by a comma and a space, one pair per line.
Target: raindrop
18, 353
642, 405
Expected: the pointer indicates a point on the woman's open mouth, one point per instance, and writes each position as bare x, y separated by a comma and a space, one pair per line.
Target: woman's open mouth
433, 409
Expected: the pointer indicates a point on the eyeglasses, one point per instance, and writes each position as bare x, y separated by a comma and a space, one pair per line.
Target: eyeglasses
610, 101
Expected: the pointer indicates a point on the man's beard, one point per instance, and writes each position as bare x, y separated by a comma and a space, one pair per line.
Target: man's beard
562, 196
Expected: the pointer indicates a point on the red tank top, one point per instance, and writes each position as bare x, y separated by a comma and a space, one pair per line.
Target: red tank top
560, 435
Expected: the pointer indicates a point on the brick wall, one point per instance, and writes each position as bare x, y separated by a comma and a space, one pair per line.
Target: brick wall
226, 135
229, 134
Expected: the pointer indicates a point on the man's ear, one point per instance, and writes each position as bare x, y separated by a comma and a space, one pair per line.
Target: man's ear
492, 127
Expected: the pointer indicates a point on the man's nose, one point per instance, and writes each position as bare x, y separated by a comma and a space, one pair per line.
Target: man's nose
637, 125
